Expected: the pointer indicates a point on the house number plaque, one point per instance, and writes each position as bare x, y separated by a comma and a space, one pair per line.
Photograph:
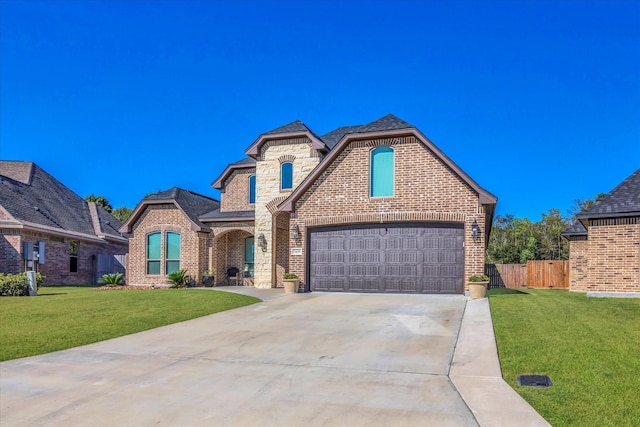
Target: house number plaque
296, 251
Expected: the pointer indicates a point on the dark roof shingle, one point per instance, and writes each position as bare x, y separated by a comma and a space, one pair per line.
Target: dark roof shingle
31, 195
622, 200
193, 204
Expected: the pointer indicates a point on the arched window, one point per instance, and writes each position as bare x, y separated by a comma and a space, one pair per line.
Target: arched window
172, 252
381, 172
252, 189
286, 176
153, 252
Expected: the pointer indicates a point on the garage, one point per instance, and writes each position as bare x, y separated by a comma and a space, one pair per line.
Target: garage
393, 258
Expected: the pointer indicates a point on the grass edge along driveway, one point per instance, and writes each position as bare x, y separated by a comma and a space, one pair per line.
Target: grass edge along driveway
588, 346
65, 317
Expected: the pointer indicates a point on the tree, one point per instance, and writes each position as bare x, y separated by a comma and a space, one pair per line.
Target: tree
122, 213
100, 201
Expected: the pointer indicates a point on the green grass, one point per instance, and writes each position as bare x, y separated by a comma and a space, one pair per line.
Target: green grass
65, 317
590, 347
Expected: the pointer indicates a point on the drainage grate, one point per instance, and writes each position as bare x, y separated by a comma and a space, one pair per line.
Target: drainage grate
534, 380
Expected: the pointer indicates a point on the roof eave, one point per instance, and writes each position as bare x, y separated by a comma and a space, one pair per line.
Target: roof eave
254, 149
218, 183
588, 216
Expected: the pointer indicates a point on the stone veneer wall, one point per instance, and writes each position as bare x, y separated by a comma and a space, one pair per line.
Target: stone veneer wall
614, 258
426, 190
163, 218
235, 196
304, 159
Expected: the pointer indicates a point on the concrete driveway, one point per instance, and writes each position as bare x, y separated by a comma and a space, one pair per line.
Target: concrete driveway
316, 359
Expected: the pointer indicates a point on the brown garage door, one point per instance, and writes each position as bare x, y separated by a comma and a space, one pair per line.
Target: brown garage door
396, 258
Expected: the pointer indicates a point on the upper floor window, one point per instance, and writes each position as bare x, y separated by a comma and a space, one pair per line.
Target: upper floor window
381, 172
252, 189
153, 253
286, 176
172, 252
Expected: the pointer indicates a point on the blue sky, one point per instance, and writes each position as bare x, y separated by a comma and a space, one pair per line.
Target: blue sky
538, 101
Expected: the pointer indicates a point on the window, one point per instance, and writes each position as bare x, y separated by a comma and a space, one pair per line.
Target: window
248, 256
172, 252
252, 189
286, 176
153, 253
73, 256
381, 173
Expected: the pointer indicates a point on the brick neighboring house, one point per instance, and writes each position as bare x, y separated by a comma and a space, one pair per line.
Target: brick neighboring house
604, 243
367, 208
166, 235
75, 240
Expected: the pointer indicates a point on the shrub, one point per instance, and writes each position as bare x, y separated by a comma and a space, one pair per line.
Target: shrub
290, 276
14, 285
179, 279
111, 279
479, 278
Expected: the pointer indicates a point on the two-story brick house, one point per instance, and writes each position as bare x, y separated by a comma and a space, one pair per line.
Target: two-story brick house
370, 208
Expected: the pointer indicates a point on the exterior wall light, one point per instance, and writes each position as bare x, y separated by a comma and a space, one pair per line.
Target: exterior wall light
262, 242
475, 229
295, 232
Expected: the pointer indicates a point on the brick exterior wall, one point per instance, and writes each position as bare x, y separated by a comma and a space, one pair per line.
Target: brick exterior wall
235, 196
57, 256
272, 154
614, 258
163, 218
578, 264
426, 190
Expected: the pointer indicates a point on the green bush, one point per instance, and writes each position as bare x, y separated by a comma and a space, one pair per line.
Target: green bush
289, 276
14, 285
479, 279
179, 279
111, 279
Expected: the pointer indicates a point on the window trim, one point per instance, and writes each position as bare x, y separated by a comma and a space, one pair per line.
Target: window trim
282, 188
393, 171
147, 259
252, 178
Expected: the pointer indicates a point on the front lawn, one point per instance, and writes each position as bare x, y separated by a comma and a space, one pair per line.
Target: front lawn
65, 317
590, 347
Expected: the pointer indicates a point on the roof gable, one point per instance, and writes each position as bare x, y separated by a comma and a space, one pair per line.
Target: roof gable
246, 163
192, 205
291, 130
385, 127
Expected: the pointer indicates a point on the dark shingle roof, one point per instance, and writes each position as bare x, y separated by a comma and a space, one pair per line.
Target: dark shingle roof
216, 215
245, 161
332, 138
193, 204
388, 122
295, 126
31, 195
576, 229
622, 200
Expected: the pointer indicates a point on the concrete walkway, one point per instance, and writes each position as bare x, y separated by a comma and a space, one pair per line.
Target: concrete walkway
316, 359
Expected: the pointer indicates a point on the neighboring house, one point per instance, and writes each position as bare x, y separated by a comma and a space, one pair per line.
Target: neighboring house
165, 235
74, 241
604, 243
369, 208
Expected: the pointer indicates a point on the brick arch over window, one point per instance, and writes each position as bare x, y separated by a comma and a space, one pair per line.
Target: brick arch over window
286, 158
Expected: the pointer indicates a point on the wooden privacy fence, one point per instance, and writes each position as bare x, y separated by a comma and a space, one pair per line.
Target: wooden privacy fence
546, 274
